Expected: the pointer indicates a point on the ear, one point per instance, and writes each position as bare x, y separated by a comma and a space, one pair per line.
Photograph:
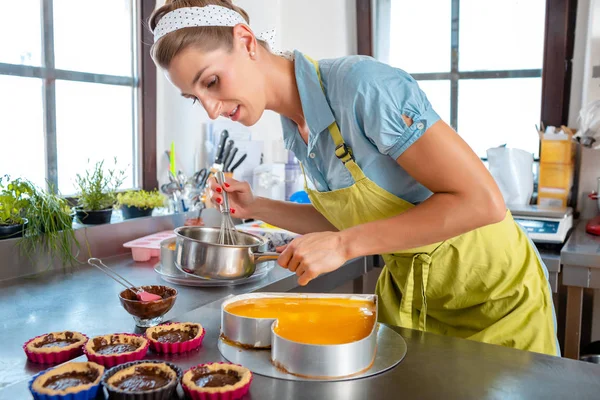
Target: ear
244, 39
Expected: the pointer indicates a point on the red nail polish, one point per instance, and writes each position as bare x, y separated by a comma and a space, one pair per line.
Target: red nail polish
219, 190
226, 184
219, 200
232, 210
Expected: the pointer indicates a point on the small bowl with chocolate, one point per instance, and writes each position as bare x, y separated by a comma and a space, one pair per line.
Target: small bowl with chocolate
174, 338
141, 380
149, 313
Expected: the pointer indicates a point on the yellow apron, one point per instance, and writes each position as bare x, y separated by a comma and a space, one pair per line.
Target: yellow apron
487, 285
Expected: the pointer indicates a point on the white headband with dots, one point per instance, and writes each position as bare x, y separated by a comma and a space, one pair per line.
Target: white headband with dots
211, 15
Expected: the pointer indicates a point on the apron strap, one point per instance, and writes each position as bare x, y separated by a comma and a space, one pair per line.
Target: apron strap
408, 315
342, 151
304, 176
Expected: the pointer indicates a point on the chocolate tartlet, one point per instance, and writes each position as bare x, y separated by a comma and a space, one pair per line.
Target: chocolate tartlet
79, 380
175, 337
217, 381
111, 350
142, 380
55, 347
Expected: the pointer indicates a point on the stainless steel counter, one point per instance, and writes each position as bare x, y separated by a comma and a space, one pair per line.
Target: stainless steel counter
580, 259
552, 260
435, 367
87, 301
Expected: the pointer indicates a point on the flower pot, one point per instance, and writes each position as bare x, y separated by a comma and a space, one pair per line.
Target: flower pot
95, 217
135, 212
12, 231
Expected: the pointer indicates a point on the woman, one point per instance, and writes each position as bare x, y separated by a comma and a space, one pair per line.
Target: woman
390, 178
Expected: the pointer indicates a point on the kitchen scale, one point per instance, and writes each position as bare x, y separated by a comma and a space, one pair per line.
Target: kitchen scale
544, 224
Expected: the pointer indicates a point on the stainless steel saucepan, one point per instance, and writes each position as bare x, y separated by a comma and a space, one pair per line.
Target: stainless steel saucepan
199, 253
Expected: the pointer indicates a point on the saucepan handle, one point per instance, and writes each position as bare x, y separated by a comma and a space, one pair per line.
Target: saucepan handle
266, 256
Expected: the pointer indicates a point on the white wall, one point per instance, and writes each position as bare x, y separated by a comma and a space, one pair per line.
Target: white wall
322, 29
585, 89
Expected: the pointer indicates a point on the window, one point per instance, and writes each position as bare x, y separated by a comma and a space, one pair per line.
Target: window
479, 63
68, 89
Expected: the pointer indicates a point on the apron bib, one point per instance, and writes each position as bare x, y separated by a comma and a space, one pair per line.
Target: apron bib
487, 285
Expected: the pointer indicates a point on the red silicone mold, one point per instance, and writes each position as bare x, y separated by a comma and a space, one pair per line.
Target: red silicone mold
175, 348
55, 357
110, 361
228, 395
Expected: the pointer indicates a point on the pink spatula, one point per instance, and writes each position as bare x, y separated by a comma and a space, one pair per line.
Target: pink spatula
139, 293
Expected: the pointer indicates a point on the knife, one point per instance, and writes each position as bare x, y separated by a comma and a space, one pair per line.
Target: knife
237, 164
226, 153
218, 164
229, 159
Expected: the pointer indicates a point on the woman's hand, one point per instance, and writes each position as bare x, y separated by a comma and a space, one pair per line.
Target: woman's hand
312, 255
241, 199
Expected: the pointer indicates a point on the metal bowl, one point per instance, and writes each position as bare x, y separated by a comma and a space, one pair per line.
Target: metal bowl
199, 253
167, 256
591, 358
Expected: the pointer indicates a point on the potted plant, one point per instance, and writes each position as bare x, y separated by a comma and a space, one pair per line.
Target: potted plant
97, 194
141, 203
14, 200
50, 226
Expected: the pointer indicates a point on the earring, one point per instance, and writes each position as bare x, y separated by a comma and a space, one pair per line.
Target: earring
252, 54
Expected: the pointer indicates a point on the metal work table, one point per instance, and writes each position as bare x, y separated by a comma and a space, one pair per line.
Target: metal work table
580, 259
87, 301
552, 260
435, 367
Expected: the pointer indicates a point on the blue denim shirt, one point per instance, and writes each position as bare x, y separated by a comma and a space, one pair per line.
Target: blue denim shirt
367, 100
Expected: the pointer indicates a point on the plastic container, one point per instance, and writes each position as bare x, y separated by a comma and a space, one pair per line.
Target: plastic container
552, 197
294, 181
557, 151
559, 176
144, 248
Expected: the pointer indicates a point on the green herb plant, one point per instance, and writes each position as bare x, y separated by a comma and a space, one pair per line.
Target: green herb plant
14, 200
97, 188
141, 199
50, 227
49, 222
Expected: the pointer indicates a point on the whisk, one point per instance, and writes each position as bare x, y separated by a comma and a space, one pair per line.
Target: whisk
228, 233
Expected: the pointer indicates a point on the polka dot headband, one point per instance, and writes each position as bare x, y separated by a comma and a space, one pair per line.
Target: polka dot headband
210, 15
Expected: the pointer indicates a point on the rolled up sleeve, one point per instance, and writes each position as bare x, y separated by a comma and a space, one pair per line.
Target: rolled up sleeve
382, 95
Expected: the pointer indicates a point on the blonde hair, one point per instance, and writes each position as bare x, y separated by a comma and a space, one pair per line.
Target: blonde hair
204, 38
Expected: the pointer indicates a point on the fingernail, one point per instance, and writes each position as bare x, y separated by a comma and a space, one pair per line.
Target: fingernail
219, 200
226, 184
232, 210
219, 190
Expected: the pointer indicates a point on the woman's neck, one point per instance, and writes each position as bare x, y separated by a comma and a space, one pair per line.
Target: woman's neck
282, 89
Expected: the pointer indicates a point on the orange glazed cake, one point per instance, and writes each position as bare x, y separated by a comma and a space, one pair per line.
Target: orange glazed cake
320, 321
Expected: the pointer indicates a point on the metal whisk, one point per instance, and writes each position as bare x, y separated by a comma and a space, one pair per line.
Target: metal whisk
228, 233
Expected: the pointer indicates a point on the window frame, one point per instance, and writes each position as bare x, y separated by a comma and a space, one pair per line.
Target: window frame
556, 68
143, 81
